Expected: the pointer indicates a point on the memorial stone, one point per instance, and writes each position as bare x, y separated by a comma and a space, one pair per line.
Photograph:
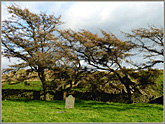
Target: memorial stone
69, 102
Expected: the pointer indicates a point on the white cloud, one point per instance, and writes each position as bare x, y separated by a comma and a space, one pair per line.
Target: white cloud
37, 7
87, 14
108, 15
5, 62
113, 16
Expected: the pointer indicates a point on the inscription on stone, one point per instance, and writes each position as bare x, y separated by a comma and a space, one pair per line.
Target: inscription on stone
69, 102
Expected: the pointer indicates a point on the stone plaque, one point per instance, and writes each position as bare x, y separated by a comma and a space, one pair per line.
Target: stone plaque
69, 102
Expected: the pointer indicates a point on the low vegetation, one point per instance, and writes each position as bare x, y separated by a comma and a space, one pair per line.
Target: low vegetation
98, 81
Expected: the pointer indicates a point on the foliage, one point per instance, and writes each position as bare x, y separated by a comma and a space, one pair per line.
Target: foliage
148, 76
102, 82
19, 76
160, 83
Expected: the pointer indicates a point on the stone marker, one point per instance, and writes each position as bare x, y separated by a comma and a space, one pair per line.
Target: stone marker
69, 102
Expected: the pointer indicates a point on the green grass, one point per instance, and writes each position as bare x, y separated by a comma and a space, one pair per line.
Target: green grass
34, 85
84, 111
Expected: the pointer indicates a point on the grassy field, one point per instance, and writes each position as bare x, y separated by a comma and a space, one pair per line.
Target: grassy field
34, 85
84, 111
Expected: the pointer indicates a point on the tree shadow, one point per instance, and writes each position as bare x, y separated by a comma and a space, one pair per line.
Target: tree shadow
119, 106
100, 106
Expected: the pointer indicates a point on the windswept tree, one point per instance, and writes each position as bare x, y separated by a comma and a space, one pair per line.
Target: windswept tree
68, 71
110, 54
150, 43
32, 38
105, 53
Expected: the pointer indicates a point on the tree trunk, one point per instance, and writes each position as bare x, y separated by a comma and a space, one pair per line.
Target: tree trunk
129, 94
42, 78
64, 95
125, 80
66, 90
44, 89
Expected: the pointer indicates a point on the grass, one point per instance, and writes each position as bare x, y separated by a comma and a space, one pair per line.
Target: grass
14, 110
34, 85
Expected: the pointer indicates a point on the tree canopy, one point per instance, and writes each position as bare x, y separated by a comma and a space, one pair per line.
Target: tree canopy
150, 42
32, 38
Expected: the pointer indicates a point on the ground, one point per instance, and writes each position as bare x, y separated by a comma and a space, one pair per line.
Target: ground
14, 110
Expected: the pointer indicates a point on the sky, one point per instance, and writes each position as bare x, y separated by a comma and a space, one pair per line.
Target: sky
110, 16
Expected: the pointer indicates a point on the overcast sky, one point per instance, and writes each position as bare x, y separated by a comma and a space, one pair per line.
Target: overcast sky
109, 16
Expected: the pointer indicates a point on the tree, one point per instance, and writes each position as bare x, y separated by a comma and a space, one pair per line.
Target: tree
102, 81
33, 39
148, 41
104, 53
68, 74
69, 71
